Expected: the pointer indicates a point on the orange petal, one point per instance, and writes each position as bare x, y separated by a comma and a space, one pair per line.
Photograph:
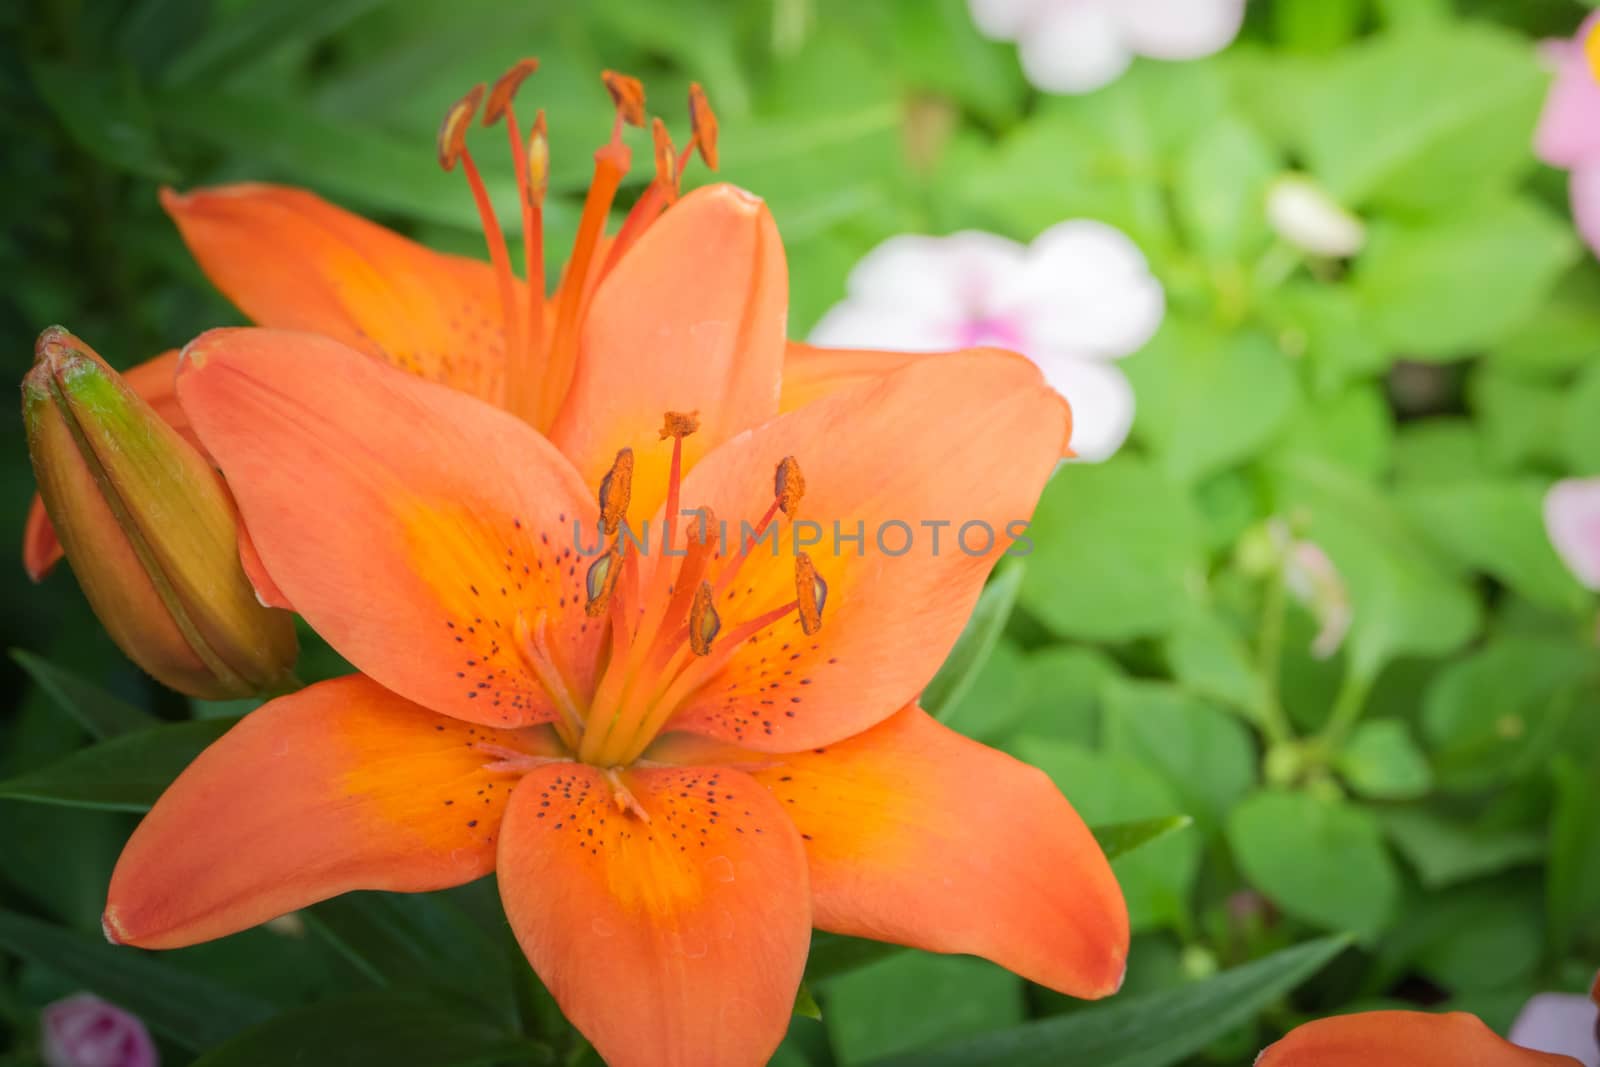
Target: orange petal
290, 259
811, 373
1402, 1039
410, 524
154, 381
680, 940
340, 786
920, 836
968, 438
692, 319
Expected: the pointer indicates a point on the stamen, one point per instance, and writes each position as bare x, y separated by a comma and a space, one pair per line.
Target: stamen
679, 424
536, 654
666, 162
453, 130
703, 620
811, 594
703, 123
505, 88
616, 490
602, 579
627, 94
623, 797
453, 148
788, 485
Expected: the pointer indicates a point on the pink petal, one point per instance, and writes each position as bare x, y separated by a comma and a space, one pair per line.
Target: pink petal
1180, 29
1584, 187
1572, 520
1074, 48
1569, 126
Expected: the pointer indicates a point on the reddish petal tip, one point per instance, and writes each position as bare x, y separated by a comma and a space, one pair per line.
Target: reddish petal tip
110, 927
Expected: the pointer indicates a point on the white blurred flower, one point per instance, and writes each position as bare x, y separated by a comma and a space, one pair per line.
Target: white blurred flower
1572, 521
1303, 214
1074, 46
1078, 297
1562, 1023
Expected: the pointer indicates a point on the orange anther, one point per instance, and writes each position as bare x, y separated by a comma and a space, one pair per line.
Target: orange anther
538, 159
788, 485
703, 621
666, 160
703, 121
628, 96
811, 594
506, 87
679, 424
453, 130
616, 489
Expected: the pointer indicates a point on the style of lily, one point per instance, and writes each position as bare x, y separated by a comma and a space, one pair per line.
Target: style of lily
1403, 1039
289, 259
677, 758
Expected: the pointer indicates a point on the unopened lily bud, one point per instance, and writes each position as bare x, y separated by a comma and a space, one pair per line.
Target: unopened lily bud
149, 529
1303, 214
85, 1031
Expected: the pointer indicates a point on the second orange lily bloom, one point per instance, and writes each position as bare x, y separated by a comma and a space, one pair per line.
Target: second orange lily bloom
676, 761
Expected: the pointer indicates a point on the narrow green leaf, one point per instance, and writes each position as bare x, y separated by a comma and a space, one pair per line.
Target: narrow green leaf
833, 954
126, 773
1152, 1030
805, 1004
378, 1029
105, 113
97, 711
190, 1010
258, 30
1120, 838
976, 642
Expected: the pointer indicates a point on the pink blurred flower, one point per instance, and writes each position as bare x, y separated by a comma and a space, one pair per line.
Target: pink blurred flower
1568, 135
85, 1031
1562, 1023
1073, 46
1080, 296
1572, 521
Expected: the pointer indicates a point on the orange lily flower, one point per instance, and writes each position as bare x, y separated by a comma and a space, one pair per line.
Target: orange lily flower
289, 259
1403, 1039
678, 759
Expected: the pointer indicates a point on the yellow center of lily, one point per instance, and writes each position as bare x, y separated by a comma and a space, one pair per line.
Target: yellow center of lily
665, 638
542, 336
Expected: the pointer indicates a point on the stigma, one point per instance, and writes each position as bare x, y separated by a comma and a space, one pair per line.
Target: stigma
542, 330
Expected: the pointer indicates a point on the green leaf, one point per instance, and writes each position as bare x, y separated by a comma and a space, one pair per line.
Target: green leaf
992, 703
1206, 755
1316, 25
377, 1029
256, 31
1105, 789
1381, 761
1353, 428
1438, 290
97, 711
1403, 601
416, 939
1573, 882
1516, 418
1119, 839
1319, 859
1208, 399
1221, 186
1471, 95
1158, 1029
1563, 338
190, 1010
976, 642
126, 773
1581, 426
1209, 658
805, 1005
1498, 527
106, 114
1495, 714
836, 954
916, 1000
1060, 693
1115, 546
1327, 325
1444, 851
1439, 451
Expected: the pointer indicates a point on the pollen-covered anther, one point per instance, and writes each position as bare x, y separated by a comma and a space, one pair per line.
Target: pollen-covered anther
666, 160
616, 490
628, 96
623, 797
679, 424
601, 580
538, 159
505, 88
788, 485
704, 623
811, 594
703, 121
453, 130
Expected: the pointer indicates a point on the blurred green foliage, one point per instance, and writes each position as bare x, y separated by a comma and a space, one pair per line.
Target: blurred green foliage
1432, 790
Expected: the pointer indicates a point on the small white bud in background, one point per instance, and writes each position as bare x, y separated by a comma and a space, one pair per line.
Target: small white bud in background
1303, 214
